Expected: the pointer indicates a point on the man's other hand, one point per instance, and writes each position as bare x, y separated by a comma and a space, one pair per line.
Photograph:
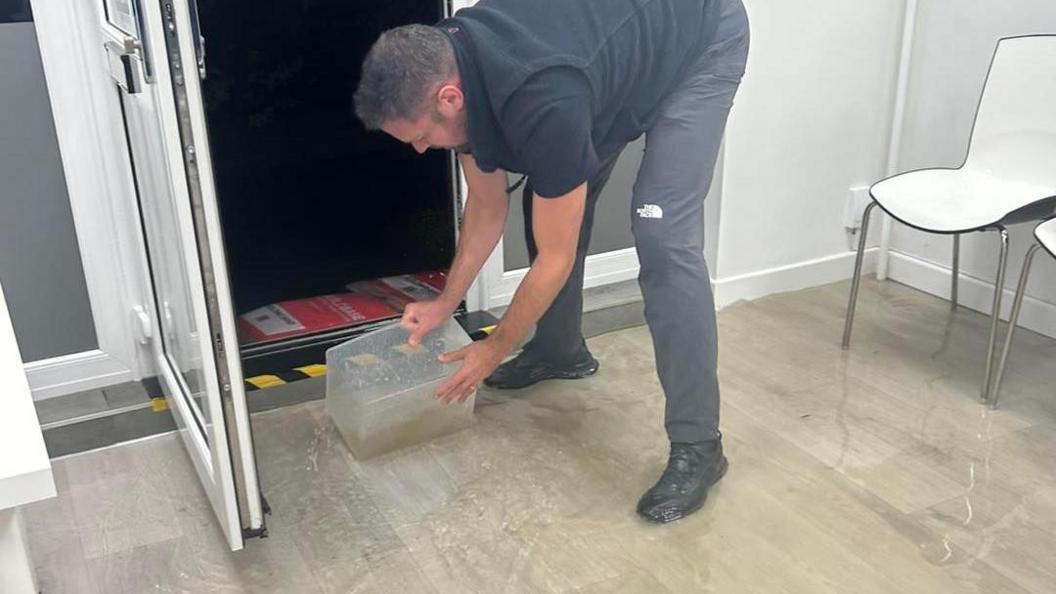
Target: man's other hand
424, 316
478, 361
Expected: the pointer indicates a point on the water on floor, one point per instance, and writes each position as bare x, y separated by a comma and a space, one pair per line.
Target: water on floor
872, 470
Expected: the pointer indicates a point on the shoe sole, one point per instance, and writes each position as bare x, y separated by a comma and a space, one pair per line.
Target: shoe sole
561, 375
676, 516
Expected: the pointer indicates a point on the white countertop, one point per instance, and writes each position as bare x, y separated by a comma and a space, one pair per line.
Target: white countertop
25, 472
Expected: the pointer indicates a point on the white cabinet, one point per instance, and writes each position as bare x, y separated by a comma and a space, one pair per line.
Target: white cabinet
25, 472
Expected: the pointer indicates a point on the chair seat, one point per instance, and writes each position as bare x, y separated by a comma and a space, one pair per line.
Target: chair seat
955, 200
1046, 234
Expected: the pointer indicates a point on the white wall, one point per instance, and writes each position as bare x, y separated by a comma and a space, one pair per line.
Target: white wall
954, 42
811, 120
40, 263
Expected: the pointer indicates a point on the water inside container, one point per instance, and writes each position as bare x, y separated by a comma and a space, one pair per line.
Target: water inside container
379, 389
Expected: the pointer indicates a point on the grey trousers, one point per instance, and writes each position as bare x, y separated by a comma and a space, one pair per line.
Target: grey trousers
667, 219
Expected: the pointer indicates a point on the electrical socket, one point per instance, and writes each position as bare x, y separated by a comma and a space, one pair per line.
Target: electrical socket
857, 199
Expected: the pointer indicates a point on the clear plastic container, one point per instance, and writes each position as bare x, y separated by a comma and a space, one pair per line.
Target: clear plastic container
379, 389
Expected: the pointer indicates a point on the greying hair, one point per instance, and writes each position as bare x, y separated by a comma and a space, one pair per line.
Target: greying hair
400, 71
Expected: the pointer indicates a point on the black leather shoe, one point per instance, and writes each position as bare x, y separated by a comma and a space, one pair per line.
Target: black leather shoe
691, 469
528, 368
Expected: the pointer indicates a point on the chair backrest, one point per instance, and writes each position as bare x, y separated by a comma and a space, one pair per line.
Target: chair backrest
1015, 125
1046, 234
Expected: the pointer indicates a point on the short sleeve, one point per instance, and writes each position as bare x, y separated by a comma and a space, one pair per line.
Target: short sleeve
547, 122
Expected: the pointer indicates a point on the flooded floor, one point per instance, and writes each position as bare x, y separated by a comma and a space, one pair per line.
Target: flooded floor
873, 470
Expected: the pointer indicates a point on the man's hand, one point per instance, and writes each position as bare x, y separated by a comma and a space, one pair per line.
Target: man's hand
424, 316
478, 361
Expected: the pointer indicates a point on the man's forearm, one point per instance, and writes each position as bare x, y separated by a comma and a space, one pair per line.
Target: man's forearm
556, 226
482, 225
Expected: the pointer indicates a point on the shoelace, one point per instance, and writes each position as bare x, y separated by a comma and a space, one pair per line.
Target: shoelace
679, 466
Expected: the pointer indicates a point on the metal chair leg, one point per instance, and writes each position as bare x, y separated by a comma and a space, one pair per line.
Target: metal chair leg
857, 280
1021, 289
956, 270
999, 289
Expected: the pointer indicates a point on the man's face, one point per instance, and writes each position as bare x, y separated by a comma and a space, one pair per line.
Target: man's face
441, 128
429, 131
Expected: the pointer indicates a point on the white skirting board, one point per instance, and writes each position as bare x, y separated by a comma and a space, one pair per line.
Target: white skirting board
973, 293
792, 277
78, 372
622, 265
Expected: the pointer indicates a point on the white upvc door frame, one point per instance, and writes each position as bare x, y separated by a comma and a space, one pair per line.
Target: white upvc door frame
91, 138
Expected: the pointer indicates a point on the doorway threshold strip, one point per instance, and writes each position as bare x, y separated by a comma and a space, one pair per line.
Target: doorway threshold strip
97, 415
100, 431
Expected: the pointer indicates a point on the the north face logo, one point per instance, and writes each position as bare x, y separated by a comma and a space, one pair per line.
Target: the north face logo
651, 211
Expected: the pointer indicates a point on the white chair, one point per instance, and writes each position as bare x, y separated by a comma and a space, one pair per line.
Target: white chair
1046, 236
1009, 175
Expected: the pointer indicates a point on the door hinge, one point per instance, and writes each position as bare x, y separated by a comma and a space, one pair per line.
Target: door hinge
261, 532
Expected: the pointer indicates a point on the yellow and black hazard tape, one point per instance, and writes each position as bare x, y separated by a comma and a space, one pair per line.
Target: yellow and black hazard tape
281, 378
482, 333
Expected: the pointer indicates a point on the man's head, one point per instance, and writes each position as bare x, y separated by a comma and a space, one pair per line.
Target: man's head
410, 88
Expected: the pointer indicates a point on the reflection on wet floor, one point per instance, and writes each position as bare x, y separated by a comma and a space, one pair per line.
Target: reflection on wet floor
869, 470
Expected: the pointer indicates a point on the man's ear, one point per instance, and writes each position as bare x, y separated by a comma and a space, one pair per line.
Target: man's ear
450, 100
